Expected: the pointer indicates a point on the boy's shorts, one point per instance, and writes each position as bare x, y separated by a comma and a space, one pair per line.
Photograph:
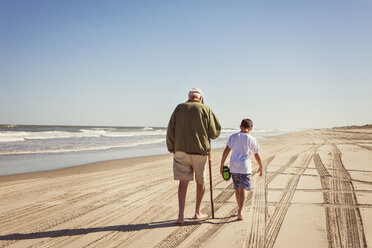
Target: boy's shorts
241, 181
184, 166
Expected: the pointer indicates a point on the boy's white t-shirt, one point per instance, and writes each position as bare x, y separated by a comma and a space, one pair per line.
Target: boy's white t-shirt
242, 144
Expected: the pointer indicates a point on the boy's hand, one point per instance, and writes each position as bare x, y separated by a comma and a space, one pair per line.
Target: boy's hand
259, 162
260, 171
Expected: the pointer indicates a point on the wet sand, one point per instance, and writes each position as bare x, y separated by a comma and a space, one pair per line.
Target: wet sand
316, 192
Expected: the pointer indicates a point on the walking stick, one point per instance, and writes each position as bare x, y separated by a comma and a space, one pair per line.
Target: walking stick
210, 183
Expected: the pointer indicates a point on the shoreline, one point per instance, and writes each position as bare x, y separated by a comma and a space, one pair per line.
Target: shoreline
93, 167
30, 163
27, 149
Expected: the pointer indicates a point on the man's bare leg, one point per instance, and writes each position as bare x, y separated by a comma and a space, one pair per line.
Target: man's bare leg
200, 189
182, 190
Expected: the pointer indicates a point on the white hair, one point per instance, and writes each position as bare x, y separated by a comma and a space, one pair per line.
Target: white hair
193, 95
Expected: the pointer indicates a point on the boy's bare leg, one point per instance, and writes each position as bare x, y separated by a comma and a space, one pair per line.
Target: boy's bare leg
182, 190
237, 195
200, 189
242, 198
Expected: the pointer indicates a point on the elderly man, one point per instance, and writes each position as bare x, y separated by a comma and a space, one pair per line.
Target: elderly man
190, 129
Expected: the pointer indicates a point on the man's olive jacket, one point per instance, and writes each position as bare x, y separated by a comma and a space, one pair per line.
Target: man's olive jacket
191, 128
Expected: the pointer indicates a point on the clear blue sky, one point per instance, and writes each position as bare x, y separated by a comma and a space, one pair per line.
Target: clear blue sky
284, 64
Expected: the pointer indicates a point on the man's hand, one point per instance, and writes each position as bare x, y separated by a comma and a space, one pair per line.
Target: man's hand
260, 171
221, 170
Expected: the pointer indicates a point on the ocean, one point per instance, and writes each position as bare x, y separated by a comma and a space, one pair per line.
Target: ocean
31, 148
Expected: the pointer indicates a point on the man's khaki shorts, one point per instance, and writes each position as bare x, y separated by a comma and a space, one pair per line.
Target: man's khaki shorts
185, 164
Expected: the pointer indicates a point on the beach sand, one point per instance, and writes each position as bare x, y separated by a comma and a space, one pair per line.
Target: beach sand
316, 192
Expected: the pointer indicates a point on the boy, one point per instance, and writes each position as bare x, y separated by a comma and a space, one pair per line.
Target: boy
242, 144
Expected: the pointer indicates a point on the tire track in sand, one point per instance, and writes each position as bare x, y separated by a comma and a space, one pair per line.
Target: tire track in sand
83, 209
330, 213
280, 211
103, 220
161, 213
258, 214
56, 203
181, 233
344, 225
256, 234
282, 168
125, 233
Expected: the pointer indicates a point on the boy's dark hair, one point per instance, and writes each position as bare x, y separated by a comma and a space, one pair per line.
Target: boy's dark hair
246, 123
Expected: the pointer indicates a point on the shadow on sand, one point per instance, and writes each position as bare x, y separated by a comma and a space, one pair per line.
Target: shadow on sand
118, 228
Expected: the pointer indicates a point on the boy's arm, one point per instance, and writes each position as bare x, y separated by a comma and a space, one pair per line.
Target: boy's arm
224, 156
259, 162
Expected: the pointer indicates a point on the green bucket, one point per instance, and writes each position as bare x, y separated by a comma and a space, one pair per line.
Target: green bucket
226, 173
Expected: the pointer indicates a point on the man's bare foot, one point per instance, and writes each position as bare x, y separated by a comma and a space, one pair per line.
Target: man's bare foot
240, 217
180, 220
200, 216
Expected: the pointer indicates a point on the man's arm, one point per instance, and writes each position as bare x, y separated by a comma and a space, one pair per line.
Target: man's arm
224, 156
259, 162
171, 132
214, 128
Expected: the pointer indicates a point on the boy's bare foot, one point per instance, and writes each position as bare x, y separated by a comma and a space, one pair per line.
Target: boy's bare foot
200, 216
240, 217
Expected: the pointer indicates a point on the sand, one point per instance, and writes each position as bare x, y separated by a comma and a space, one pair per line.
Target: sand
316, 192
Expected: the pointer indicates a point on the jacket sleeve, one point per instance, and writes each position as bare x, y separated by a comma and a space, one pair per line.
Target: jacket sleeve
171, 132
214, 128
